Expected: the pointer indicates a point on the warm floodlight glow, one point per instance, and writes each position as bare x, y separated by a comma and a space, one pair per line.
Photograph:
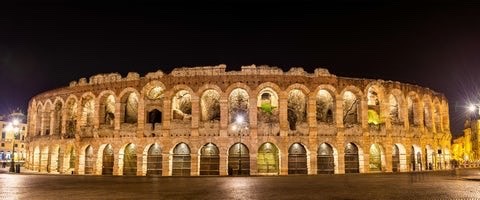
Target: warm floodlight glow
239, 119
471, 108
16, 122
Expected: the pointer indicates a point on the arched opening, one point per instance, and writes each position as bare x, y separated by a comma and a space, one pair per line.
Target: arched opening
73, 157
89, 160
57, 118
181, 160
130, 160
107, 160
71, 118
350, 109
394, 110
373, 103
325, 159
209, 160
238, 105
296, 109
107, 110
46, 118
375, 158
129, 108
267, 112
210, 106
297, 159
395, 159
416, 158
88, 109
154, 160
238, 160
429, 158
182, 106
324, 107
437, 118
36, 158
427, 118
351, 159
154, 116
267, 159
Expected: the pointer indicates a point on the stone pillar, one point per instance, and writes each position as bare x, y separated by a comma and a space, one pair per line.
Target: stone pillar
194, 168
253, 163
141, 163
141, 118
224, 115
167, 116
283, 165
195, 114
283, 114
117, 121
253, 117
96, 118
388, 147
223, 163
312, 168
340, 154
312, 117
117, 163
339, 111
166, 165
63, 131
363, 114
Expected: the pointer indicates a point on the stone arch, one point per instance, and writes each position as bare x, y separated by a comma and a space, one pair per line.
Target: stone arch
396, 102
238, 159
151, 85
268, 159
413, 109
38, 119
127, 160
105, 165
70, 159
209, 159
71, 116
47, 117
88, 109
36, 158
351, 96
399, 158
297, 109
427, 112
54, 158
86, 160
429, 157
129, 98
297, 159
268, 110
437, 115
325, 101
327, 159
44, 159
152, 160
181, 160
353, 157
58, 116
375, 98
238, 104
416, 158
210, 105
377, 158
106, 102
181, 108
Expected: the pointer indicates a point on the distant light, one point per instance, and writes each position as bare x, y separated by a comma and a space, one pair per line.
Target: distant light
16, 122
239, 119
471, 108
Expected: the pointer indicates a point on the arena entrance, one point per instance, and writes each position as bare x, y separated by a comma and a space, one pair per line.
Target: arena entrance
181, 160
89, 160
297, 159
267, 160
395, 159
325, 160
238, 160
375, 163
209, 160
154, 160
130, 160
351, 159
107, 160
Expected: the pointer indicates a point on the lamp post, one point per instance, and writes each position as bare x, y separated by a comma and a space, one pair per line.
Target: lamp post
13, 127
240, 126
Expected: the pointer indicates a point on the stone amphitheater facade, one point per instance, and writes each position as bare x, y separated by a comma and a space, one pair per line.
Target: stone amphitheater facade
256, 121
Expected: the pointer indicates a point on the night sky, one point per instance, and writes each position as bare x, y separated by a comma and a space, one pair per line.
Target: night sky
45, 46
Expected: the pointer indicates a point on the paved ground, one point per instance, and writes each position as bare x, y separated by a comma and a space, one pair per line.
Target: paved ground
429, 185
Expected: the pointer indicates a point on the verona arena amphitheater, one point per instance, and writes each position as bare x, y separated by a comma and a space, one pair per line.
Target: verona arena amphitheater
256, 121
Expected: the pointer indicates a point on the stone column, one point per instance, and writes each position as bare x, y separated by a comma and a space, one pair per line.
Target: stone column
283, 114
340, 154
195, 115
194, 168
224, 115
166, 165
253, 117
312, 169
167, 116
339, 111
141, 118
63, 130
283, 165
223, 163
118, 117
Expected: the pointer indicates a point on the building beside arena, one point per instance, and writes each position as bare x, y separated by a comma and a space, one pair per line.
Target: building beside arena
257, 121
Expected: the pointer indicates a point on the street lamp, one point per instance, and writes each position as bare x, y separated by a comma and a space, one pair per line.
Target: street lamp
240, 126
13, 127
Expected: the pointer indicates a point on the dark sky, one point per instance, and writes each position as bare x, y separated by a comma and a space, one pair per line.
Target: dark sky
45, 46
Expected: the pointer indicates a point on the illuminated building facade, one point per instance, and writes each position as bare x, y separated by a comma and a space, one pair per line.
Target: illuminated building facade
7, 142
258, 121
